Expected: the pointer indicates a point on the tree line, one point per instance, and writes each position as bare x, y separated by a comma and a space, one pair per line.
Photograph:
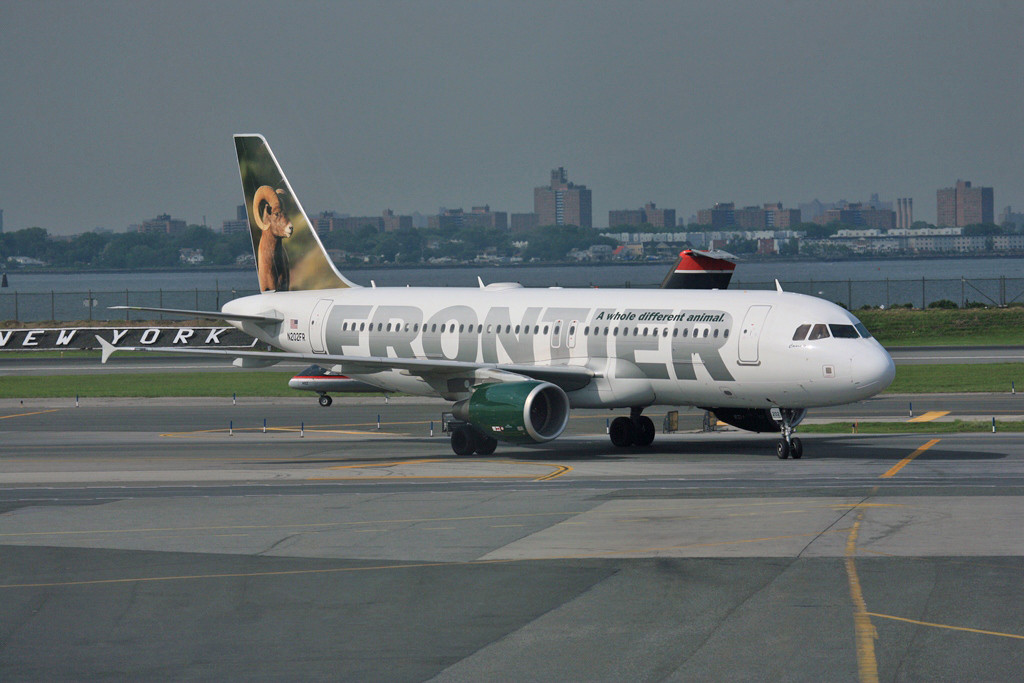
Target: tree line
133, 250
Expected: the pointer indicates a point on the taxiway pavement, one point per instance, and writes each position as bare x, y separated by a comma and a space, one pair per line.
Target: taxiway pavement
170, 539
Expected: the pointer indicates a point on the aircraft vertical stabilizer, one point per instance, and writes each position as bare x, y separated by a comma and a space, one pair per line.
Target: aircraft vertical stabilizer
289, 255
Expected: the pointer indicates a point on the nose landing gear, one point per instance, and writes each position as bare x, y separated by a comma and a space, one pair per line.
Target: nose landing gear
790, 446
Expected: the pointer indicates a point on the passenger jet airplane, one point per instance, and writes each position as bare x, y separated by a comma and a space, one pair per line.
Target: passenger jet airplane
515, 360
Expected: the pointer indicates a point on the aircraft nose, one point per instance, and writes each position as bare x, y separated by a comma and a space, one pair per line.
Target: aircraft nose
873, 370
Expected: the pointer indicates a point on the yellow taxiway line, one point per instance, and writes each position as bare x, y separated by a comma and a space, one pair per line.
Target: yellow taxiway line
38, 412
891, 472
929, 416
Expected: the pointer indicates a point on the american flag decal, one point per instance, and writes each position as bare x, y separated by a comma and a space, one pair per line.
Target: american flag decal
293, 323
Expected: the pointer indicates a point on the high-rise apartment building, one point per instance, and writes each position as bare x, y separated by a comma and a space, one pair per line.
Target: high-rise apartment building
857, 213
562, 202
964, 205
523, 222
393, 223
163, 224
767, 217
649, 215
904, 212
483, 217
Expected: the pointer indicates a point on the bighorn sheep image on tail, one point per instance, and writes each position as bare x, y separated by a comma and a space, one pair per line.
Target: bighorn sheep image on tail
271, 258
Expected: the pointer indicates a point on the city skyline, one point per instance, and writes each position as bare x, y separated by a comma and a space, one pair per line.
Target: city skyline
115, 111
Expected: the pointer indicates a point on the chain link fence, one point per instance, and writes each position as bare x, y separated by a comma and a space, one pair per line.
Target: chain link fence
90, 305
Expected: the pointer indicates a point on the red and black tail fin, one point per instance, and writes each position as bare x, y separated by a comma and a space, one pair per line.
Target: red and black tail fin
701, 270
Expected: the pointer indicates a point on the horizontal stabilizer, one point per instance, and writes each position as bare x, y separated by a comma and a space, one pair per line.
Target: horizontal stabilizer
568, 377
212, 315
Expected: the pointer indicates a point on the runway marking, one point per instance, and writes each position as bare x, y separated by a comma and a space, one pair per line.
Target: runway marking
382, 567
947, 626
559, 470
891, 472
38, 412
929, 416
864, 631
463, 518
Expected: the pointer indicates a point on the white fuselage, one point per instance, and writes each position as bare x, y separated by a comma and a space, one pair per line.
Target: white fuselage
705, 348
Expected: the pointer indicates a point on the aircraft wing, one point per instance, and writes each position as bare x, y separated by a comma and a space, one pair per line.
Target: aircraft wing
212, 315
568, 377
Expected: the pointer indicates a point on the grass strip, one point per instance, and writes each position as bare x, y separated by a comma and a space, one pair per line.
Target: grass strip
910, 379
150, 385
935, 427
957, 378
946, 327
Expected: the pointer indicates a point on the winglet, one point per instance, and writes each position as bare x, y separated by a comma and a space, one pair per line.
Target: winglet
107, 347
778, 287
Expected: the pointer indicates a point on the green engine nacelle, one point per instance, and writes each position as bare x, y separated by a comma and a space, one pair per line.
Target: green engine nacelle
516, 411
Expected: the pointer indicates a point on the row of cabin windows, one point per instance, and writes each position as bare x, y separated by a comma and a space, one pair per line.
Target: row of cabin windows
587, 331
823, 331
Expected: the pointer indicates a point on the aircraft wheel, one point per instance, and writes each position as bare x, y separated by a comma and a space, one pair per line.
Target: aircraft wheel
325, 400
463, 441
782, 449
621, 432
485, 445
644, 434
796, 448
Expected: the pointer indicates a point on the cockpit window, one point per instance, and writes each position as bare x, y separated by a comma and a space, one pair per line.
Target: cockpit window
863, 330
844, 331
801, 333
819, 331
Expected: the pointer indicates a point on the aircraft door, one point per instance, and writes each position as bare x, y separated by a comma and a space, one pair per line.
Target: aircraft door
750, 334
317, 325
571, 341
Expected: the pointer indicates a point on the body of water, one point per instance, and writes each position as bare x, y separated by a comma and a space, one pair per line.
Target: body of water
87, 296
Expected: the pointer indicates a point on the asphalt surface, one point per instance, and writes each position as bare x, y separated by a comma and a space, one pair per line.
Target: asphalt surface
175, 539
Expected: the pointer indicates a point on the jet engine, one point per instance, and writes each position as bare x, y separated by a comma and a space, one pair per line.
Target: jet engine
520, 412
754, 419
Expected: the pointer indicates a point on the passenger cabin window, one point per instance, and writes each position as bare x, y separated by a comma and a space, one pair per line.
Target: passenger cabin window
819, 331
844, 331
801, 333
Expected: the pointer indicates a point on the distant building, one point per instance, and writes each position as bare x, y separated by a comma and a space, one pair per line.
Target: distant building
446, 220
327, 221
524, 222
482, 217
632, 218
964, 205
393, 223
812, 209
163, 224
562, 202
1008, 218
768, 216
649, 215
904, 212
856, 213
721, 215
358, 223
239, 224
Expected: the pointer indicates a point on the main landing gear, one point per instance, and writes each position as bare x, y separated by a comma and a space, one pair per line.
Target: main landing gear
466, 441
789, 446
635, 430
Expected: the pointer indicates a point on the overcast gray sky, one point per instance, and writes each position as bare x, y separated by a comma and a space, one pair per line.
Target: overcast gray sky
113, 112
